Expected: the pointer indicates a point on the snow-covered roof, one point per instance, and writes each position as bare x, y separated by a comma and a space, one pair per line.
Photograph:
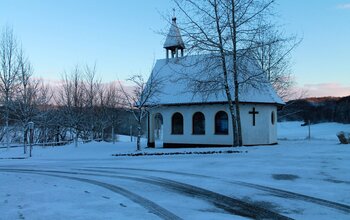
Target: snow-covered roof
174, 38
198, 79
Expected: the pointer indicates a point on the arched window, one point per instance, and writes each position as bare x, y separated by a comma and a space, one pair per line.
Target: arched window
221, 123
273, 118
198, 123
177, 124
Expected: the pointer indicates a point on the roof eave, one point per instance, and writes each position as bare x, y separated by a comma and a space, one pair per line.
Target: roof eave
279, 105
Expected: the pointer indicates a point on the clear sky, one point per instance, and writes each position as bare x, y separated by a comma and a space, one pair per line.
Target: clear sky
121, 37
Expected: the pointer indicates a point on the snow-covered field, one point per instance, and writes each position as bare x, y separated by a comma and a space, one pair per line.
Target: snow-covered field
299, 179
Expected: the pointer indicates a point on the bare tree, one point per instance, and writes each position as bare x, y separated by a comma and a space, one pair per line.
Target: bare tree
112, 101
71, 98
226, 31
86, 106
102, 113
43, 108
20, 94
21, 105
141, 98
29, 103
273, 54
9, 72
92, 87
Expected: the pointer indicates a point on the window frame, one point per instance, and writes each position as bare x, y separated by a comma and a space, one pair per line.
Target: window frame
202, 121
216, 132
172, 124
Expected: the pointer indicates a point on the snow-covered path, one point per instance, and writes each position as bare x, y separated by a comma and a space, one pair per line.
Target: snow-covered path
189, 193
298, 179
137, 185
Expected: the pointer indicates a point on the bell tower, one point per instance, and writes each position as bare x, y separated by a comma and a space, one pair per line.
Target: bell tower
173, 42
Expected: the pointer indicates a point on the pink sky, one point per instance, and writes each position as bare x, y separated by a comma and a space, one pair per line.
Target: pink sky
325, 89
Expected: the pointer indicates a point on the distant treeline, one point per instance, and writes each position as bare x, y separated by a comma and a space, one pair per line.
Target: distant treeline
59, 124
316, 110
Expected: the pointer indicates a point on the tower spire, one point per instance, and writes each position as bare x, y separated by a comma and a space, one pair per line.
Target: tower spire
173, 41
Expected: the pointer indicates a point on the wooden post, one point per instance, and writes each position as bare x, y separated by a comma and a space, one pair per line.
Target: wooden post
130, 133
309, 130
24, 140
31, 137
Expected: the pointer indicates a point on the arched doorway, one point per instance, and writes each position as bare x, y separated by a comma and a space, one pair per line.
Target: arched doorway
158, 126
155, 130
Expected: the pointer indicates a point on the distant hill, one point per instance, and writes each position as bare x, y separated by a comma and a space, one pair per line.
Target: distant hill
324, 109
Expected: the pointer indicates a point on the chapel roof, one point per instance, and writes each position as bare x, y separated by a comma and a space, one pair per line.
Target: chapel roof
174, 39
175, 77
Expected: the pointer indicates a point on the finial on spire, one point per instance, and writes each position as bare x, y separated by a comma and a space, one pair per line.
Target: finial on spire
174, 15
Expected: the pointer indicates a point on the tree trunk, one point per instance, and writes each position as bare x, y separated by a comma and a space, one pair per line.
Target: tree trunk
113, 135
225, 71
238, 119
235, 75
138, 143
7, 126
31, 140
238, 141
102, 134
46, 134
58, 134
76, 139
91, 134
24, 140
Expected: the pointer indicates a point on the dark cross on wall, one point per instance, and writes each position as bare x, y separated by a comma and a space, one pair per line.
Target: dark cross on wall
253, 113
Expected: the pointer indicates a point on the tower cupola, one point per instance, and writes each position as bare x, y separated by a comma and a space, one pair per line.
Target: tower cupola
173, 41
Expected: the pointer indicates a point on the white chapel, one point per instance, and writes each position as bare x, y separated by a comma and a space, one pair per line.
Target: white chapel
191, 119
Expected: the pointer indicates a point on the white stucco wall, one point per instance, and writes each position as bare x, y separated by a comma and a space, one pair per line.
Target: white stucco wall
264, 132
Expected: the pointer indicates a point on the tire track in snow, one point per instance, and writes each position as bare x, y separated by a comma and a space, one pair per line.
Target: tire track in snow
147, 204
274, 191
292, 195
228, 204
150, 170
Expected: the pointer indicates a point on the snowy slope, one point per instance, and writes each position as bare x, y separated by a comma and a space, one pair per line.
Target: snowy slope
323, 131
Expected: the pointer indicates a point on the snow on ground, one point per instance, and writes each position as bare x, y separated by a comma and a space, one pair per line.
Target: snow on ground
324, 131
318, 168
